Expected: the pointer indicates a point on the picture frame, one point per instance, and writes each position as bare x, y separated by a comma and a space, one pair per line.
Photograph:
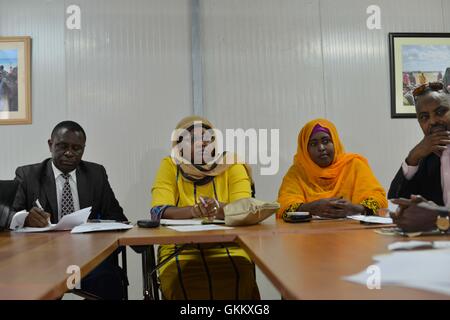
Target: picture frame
415, 58
15, 80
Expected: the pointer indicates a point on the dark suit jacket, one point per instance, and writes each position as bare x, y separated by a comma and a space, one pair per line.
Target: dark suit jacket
37, 181
426, 182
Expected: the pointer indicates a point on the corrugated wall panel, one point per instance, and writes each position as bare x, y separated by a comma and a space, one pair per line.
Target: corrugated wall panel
446, 15
263, 69
128, 80
128, 83
43, 21
356, 64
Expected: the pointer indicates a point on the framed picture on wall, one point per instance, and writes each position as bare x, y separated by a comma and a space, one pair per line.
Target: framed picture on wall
416, 58
15, 80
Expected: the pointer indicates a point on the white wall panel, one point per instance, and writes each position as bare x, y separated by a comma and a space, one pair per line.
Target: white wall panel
44, 22
263, 69
128, 84
128, 80
356, 64
446, 15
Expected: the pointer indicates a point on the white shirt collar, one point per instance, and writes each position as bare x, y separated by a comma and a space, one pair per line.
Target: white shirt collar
58, 172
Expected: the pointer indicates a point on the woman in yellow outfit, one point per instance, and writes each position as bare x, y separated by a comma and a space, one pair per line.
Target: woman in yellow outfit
326, 181
189, 185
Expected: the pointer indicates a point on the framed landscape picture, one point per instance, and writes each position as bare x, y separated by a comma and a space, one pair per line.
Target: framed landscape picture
416, 58
15, 80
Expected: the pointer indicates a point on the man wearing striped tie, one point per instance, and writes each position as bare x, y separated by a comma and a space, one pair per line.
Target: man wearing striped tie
63, 184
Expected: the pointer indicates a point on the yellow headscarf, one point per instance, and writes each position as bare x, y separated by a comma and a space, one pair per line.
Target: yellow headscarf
349, 175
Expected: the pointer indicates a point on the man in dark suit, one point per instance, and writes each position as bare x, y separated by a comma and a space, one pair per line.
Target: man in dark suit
426, 170
63, 184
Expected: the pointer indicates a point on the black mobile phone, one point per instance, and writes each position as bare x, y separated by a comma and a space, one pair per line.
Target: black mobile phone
295, 217
147, 223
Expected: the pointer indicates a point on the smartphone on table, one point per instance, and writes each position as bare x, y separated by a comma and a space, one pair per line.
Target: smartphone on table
295, 217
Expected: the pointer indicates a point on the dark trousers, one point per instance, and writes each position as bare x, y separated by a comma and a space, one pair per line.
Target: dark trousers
107, 281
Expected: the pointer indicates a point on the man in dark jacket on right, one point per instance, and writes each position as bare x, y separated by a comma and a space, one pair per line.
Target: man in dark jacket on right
426, 170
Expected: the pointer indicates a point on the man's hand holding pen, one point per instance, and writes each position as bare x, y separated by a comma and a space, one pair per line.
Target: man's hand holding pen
37, 217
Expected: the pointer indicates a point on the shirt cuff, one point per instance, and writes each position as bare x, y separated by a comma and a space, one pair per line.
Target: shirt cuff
18, 220
371, 206
409, 171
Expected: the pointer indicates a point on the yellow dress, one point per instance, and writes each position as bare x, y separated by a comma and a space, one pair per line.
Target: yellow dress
207, 271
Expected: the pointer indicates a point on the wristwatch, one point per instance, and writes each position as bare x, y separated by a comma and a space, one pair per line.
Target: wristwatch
443, 221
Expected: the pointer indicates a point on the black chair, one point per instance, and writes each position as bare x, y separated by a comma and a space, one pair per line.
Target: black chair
8, 189
122, 270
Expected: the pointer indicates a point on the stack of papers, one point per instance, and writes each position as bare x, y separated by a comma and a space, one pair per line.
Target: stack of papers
425, 269
67, 222
102, 226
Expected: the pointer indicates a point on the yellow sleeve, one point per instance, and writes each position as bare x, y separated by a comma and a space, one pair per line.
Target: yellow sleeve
165, 189
367, 186
238, 183
291, 192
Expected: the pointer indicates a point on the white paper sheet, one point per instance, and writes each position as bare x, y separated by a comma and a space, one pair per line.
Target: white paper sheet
413, 244
203, 227
66, 223
409, 245
102, 226
186, 222
392, 206
423, 269
371, 219
324, 218
441, 244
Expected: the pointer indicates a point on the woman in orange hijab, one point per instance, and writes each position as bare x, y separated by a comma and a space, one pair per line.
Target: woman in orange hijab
325, 181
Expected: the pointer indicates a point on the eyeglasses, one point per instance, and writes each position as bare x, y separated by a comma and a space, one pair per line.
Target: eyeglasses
433, 86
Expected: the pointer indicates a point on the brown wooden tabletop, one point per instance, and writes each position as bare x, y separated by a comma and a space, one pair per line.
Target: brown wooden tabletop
33, 265
164, 235
311, 266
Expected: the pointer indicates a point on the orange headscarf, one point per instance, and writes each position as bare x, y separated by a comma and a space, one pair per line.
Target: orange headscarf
349, 175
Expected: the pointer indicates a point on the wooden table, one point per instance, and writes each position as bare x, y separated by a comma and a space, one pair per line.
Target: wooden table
33, 265
311, 266
162, 235
143, 239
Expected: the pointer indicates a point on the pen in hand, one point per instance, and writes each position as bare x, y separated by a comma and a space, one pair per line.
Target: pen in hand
38, 204
203, 201
42, 212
